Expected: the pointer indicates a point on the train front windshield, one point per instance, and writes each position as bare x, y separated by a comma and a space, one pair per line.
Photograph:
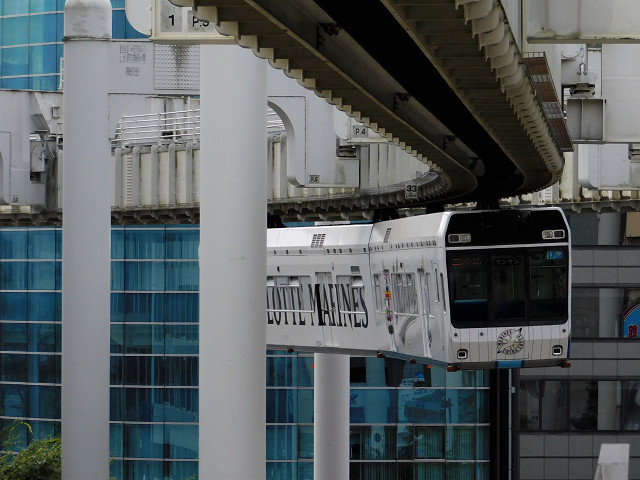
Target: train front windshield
495, 282
508, 287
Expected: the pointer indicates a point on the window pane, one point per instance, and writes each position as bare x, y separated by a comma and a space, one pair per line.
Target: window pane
181, 339
44, 402
14, 276
144, 244
461, 406
305, 435
43, 29
180, 307
44, 306
44, 59
182, 276
305, 405
44, 275
282, 442
529, 405
13, 337
15, 32
507, 277
631, 406
13, 306
117, 243
182, 441
429, 442
421, 405
181, 404
281, 371
595, 405
584, 405
42, 244
373, 406
143, 307
144, 276
373, 442
181, 371
13, 400
468, 288
152, 469
13, 367
15, 61
461, 444
144, 441
282, 470
305, 371
179, 470
182, 244
44, 337
44, 368
13, 244
282, 405
554, 404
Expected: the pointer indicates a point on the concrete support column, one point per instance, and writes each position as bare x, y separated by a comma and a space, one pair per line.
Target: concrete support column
331, 417
233, 193
86, 243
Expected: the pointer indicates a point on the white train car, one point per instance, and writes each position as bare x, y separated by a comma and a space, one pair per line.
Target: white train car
470, 290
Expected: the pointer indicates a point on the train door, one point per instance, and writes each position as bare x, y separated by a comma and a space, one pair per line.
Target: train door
427, 313
326, 298
438, 301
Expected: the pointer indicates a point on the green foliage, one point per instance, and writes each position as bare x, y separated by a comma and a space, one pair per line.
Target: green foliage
41, 460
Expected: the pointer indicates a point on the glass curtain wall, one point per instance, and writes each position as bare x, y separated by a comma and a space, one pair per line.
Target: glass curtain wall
154, 352
407, 421
30, 330
31, 34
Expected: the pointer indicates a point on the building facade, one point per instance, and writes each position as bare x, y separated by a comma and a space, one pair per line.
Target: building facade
407, 421
31, 33
565, 415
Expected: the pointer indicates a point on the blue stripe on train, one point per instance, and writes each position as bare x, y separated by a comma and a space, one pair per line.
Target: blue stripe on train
509, 363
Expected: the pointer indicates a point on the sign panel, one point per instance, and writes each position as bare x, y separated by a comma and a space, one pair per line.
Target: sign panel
172, 24
631, 321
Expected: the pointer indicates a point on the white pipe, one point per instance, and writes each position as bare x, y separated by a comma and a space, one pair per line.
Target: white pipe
233, 268
86, 243
331, 417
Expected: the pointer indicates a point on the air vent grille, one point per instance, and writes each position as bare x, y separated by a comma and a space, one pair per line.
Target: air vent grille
318, 240
386, 235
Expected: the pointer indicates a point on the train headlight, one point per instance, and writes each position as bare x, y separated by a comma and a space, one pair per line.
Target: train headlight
556, 350
459, 238
462, 354
553, 234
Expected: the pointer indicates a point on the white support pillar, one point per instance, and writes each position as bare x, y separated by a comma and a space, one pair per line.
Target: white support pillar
86, 242
331, 417
233, 196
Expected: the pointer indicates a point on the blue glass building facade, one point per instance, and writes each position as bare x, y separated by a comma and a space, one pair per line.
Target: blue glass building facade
31, 33
407, 421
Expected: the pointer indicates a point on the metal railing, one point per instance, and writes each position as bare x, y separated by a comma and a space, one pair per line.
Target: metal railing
164, 128
158, 129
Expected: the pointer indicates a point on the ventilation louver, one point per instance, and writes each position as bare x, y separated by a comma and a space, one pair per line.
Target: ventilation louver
386, 235
318, 240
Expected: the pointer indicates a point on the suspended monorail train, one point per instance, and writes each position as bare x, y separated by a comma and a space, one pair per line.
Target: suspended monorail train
461, 289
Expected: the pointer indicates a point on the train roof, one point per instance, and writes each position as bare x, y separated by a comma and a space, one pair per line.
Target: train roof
329, 239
